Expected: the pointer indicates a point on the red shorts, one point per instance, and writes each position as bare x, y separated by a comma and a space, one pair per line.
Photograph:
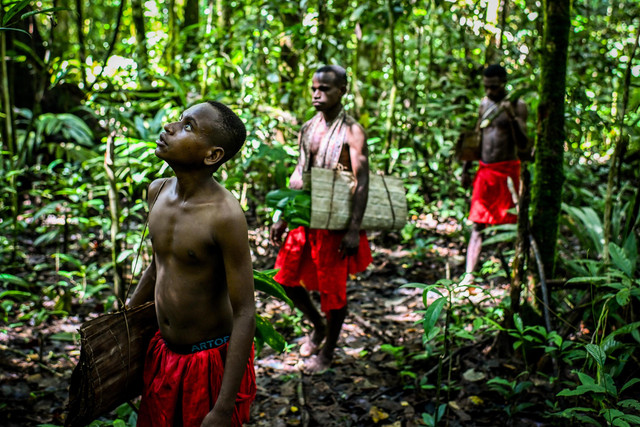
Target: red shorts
181, 389
311, 258
491, 197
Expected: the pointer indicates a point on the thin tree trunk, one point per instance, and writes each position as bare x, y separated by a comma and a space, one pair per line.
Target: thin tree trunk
491, 18
208, 34
355, 88
7, 134
81, 47
170, 51
522, 247
394, 77
112, 44
191, 18
142, 56
503, 23
549, 157
322, 31
114, 211
621, 147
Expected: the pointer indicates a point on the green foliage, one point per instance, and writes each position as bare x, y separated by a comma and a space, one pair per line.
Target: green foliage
295, 205
265, 331
414, 96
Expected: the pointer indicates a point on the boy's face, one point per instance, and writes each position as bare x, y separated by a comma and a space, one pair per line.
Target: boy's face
324, 91
189, 140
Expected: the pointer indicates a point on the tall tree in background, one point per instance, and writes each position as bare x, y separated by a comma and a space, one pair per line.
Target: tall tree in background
190, 28
549, 157
142, 56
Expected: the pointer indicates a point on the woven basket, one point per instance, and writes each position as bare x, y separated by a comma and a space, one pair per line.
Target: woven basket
331, 193
109, 372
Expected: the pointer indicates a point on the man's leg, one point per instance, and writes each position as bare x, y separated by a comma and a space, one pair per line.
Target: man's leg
302, 301
335, 319
474, 248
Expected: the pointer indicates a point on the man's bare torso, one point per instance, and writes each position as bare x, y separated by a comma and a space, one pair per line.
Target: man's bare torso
191, 296
315, 141
498, 142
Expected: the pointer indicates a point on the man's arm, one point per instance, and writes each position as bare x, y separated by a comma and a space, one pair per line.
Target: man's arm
518, 121
146, 286
359, 155
295, 181
466, 166
234, 244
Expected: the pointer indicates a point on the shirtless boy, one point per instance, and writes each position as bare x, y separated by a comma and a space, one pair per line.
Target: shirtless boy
199, 365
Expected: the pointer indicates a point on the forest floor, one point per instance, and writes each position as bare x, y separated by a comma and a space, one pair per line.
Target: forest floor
380, 374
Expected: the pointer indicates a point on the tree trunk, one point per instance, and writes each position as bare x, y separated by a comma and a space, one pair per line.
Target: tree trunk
191, 18
142, 56
322, 31
81, 45
549, 157
390, 123
114, 211
621, 147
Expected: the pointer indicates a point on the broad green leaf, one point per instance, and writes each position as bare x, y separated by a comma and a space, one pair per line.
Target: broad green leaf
630, 403
582, 389
433, 313
266, 332
597, 353
629, 383
622, 297
263, 281
517, 320
620, 259
14, 280
6, 294
13, 11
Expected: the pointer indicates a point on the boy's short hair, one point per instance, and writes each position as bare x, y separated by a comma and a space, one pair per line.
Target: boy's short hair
338, 71
495, 70
233, 130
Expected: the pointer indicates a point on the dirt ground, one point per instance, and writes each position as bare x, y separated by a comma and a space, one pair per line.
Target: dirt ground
380, 375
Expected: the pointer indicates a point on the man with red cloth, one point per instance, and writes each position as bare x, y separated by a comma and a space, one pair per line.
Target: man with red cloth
198, 369
501, 137
321, 260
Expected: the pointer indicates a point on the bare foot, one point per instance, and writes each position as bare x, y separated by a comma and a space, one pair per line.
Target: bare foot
316, 365
311, 345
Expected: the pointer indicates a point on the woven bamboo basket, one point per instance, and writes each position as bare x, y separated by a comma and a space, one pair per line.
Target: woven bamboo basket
331, 193
109, 372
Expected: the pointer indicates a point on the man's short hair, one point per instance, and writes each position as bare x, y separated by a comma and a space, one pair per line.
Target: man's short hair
495, 70
233, 130
338, 71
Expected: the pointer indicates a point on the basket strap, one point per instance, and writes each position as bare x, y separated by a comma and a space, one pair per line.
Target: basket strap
393, 214
144, 230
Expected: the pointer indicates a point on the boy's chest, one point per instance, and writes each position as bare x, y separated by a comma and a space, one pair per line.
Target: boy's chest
181, 233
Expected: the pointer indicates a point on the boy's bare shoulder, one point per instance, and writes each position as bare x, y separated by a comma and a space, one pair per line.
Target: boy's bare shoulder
155, 188
226, 209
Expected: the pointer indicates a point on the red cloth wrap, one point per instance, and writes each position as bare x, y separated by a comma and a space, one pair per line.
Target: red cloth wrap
181, 389
491, 197
311, 258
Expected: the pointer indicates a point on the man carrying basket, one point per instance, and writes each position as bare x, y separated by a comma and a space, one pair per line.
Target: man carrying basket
317, 259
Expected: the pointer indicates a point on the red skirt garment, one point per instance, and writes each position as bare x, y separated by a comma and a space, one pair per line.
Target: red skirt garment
181, 389
311, 258
491, 197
